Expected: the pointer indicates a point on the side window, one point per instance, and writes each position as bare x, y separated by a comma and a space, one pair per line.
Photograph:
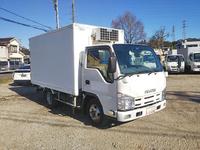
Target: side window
98, 59
11, 63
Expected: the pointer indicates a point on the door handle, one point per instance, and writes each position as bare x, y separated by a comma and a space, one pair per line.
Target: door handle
87, 82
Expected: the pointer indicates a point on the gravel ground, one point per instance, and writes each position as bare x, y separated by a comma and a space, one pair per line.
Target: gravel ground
27, 123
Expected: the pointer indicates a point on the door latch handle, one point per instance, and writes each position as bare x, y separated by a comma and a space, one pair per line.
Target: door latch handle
87, 82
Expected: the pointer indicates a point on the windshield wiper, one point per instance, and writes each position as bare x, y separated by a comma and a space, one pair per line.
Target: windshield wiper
124, 75
154, 70
131, 74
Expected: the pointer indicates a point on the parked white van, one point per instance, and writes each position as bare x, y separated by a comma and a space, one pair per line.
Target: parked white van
4, 65
15, 65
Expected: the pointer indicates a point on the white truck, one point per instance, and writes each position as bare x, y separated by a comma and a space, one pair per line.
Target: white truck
4, 63
3, 53
192, 58
90, 68
174, 63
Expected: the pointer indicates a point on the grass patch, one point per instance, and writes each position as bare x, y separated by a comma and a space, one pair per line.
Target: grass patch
6, 79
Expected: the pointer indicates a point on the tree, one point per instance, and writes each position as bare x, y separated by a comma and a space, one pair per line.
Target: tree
158, 39
133, 28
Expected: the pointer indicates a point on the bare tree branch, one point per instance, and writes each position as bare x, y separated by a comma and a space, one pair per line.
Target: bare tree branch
133, 28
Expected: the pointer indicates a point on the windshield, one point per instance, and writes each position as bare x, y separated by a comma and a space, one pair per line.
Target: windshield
197, 57
174, 58
136, 59
159, 57
3, 63
25, 67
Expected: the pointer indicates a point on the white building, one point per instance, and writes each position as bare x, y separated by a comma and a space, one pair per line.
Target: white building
187, 43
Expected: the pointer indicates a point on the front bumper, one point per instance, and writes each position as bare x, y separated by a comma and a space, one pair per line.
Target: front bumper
124, 116
175, 70
22, 81
196, 69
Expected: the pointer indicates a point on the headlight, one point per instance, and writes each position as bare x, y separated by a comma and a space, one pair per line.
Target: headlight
125, 102
163, 94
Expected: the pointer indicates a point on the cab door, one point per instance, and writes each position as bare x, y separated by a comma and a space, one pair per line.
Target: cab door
96, 79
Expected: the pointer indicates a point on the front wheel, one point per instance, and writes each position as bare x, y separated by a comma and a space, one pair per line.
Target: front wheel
95, 113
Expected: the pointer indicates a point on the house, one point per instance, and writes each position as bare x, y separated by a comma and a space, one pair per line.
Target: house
12, 44
162, 51
188, 43
26, 52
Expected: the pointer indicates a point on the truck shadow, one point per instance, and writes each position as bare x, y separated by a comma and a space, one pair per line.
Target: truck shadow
184, 73
66, 110
184, 95
29, 92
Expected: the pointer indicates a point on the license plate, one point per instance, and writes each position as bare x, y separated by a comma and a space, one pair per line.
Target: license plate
151, 110
23, 75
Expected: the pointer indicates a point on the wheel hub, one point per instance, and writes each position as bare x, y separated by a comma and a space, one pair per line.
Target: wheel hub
95, 113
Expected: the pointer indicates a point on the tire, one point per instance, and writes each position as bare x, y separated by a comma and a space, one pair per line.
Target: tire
191, 71
95, 113
51, 102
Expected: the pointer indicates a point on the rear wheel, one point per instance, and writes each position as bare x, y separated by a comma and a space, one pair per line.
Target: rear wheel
51, 102
95, 113
191, 71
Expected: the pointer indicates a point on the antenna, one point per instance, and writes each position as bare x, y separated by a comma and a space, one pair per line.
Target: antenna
55, 2
184, 31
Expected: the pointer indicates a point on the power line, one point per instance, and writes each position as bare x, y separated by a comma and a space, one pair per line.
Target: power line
22, 24
63, 20
25, 18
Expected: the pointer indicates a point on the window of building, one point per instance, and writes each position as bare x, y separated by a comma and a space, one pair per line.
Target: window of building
14, 49
191, 45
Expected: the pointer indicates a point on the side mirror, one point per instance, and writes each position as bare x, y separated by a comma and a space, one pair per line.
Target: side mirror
179, 62
112, 64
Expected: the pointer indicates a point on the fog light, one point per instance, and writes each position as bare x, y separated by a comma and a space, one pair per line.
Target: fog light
127, 116
158, 107
139, 114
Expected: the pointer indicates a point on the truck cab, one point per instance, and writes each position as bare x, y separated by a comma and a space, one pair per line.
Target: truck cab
134, 88
174, 63
194, 61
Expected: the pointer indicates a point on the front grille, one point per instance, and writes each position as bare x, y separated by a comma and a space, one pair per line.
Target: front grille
174, 69
147, 100
173, 66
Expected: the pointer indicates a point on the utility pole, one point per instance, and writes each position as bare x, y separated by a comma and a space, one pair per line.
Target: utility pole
55, 2
73, 12
184, 31
173, 31
173, 38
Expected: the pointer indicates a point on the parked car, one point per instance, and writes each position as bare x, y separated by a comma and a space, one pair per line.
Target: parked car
15, 65
4, 65
22, 75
